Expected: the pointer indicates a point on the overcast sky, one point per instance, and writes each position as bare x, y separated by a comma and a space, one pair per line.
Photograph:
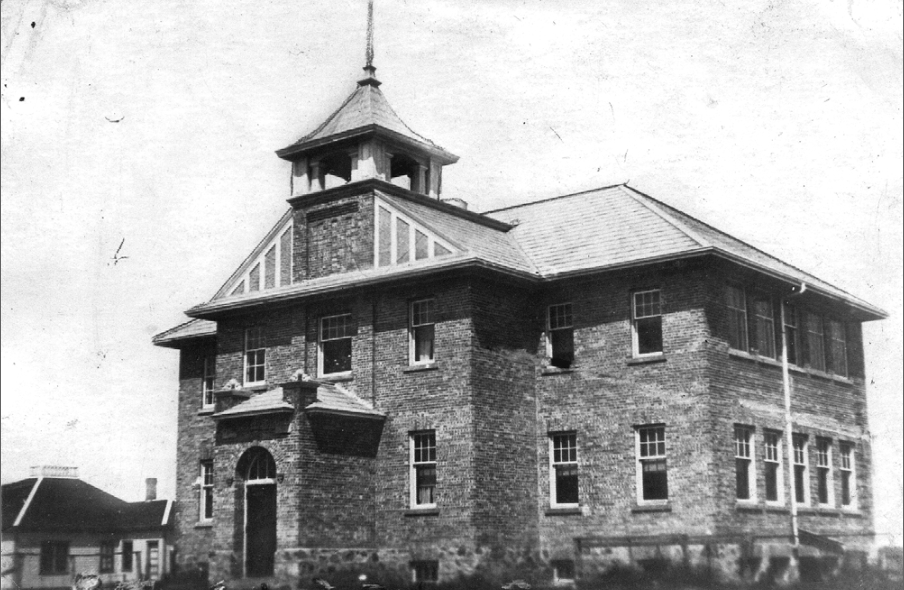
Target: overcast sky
779, 122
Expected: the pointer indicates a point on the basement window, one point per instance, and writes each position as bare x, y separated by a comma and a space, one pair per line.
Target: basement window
560, 339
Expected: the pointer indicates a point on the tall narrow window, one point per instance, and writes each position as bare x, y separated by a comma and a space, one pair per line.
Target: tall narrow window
560, 343
848, 477
772, 458
127, 555
651, 464
54, 558
824, 483
737, 318
423, 469
422, 333
336, 344
647, 324
765, 326
563, 471
837, 348
745, 481
801, 470
208, 380
107, 551
206, 497
792, 334
815, 342
255, 356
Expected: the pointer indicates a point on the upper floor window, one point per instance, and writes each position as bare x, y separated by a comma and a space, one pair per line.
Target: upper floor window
647, 324
421, 332
423, 469
745, 478
848, 475
837, 347
560, 327
737, 317
255, 356
563, 469
107, 551
772, 459
765, 325
208, 380
824, 471
801, 469
205, 502
54, 558
652, 472
336, 344
792, 334
815, 342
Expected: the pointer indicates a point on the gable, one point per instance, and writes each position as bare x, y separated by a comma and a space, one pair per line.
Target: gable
399, 238
269, 266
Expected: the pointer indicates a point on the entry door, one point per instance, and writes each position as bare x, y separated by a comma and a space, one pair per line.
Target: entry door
260, 529
153, 560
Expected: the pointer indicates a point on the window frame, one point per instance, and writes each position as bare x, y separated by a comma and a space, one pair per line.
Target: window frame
740, 446
804, 462
848, 469
107, 557
413, 326
778, 462
553, 477
128, 556
737, 322
419, 566
414, 466
792, 333
764, 323
640, 459
208, 382
321, 357
559, 322
260, 362
52, 556
635, 334
816, 337
834, 343
205, 492
825, 474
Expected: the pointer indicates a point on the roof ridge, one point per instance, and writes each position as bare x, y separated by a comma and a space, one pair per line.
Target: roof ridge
667, 218
601, 188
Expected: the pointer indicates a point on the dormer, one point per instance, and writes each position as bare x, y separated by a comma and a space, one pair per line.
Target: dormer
365, 139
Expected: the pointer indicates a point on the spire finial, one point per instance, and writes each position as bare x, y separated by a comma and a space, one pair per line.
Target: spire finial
369, 69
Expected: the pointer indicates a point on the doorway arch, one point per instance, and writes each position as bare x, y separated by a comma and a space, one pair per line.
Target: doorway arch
258, 469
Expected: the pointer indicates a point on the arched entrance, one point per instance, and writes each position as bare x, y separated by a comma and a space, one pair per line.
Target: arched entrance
259, 471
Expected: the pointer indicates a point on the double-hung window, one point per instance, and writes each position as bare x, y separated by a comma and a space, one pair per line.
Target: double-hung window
255, 356
421, 332
647, 322
765, 325
54, 558
205, 500
336, 344
423, 469
560, 340
801, 469
652, 472
107, 552
792, 334
837, 347
208, 380
745, 477
772, 459
848, 476
737, 317
816, 342
824, 479
563, 471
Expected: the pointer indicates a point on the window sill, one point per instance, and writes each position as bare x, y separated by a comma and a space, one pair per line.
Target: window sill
742, 506
644, 360
207, 524
550, 370
846, 513
564, 511
420, 368
641, 508
422, 512
337, 377
206, 411
777, 508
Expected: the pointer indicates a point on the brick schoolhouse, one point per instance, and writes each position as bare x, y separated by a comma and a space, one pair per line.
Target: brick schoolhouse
392, 381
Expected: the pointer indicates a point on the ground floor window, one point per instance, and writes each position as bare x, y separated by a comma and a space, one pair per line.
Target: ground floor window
423, 469
745, 479
801, 470
564, 469
772, 447
848, 481
824, 478
651, 464
54, 557
424, 571
107, 550
563, 571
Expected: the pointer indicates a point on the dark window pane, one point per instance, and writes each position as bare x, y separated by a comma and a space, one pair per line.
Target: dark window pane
799, 494
127, 556
742, 479
426, 484
655, 482
649, 335
567, 484
337, 356
845, 488
423, 343
562, 348
772, 482
823, 486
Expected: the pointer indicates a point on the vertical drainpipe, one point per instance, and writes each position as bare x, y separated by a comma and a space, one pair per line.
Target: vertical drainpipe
789, 437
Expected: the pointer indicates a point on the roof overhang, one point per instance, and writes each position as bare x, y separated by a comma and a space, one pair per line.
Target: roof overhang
226, 415
344, 413
296, 150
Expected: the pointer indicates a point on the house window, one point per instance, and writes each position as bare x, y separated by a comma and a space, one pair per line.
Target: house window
837, 348
336, 344
206, 498
563, 471
54, 558
792, 334
801, 470
107, 550
772, 454
255, 356
824, 471
208, 380
422, 333
647, 325
815, 342
560, 327
765, 326
848, 477
424, 572
737, 318
562, 571
423, 469
127, 554
651, 464
745, 479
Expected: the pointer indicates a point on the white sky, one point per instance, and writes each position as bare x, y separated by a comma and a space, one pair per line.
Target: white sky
780, 123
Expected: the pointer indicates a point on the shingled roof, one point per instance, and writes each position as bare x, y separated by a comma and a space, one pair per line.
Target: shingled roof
189, 330
331, 399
